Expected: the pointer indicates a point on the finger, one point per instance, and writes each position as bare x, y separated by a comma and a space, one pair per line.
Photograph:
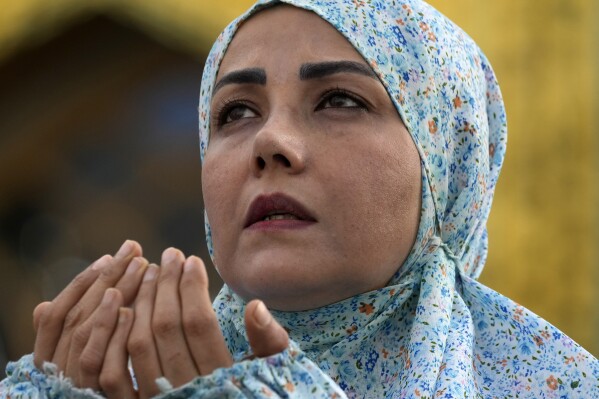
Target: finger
115, 379
111, 273
140, 345
266, 336
37, 313
78, 327
50, 323
200, 325
175, 359
131, 279
127, 285
92, 357
79, 341
112, 268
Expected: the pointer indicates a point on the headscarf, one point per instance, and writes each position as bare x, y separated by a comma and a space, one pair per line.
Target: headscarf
433, 331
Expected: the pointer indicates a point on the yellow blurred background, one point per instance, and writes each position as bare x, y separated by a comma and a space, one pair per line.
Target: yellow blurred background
98, 144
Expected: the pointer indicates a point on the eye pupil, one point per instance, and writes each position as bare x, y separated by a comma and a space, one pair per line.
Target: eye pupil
338, 101
236, 113
341, 100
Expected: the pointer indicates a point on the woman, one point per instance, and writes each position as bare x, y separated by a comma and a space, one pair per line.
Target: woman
350, 152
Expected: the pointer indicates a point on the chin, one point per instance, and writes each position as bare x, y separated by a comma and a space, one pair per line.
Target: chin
282, 283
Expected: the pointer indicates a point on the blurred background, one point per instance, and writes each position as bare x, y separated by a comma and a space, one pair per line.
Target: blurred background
98, 143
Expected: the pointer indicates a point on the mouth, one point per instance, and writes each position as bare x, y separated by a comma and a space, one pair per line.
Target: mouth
277, 210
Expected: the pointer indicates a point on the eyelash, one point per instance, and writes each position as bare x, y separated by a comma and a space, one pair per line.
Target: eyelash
220, 114
223, 109
327, 95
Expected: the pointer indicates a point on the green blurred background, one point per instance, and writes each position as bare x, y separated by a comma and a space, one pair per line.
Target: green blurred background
98, 143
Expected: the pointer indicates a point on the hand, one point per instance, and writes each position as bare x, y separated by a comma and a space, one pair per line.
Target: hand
64, 326
174, 326
176, 334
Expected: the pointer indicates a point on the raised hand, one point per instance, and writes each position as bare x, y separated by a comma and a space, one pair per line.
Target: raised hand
175, 332
64, 326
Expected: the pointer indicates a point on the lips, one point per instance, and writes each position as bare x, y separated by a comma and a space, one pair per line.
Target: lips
277, 209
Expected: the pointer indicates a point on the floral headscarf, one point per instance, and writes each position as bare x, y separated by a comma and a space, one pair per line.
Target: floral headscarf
434, 331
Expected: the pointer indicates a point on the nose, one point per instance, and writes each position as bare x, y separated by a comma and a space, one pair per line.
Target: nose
278, 146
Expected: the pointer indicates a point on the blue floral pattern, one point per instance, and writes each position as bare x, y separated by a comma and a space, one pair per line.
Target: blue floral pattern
25, 381
434, 331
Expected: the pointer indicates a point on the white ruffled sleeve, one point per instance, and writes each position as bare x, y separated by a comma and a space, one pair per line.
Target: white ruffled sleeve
289, 374
24, 381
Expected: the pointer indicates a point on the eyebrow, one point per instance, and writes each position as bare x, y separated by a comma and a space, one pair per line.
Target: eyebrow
323, 69
307, 71
248, 76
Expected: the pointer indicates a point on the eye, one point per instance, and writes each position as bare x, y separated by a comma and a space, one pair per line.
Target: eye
234, 111
339, 99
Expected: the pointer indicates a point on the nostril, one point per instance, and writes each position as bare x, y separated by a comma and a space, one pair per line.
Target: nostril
261, 163
282, 159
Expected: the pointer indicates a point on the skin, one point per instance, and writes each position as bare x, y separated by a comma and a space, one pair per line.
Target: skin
160, 317
64, 326
334, 143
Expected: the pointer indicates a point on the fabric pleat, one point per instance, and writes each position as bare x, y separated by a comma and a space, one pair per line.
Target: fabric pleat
434, 331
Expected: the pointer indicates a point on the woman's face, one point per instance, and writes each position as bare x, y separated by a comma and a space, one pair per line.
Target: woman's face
311, 181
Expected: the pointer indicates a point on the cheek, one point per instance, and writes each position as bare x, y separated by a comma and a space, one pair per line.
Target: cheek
213, 185
220, 186
380, 190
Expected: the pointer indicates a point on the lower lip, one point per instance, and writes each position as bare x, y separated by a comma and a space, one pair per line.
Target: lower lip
281, 224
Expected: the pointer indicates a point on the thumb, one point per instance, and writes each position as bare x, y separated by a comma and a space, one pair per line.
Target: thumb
266, 336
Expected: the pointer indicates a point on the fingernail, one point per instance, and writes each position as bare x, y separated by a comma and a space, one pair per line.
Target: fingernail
151, 273
101, 263
124, 315
125, 249
189, 264
109, 296
169, 255
262, 315
134, 266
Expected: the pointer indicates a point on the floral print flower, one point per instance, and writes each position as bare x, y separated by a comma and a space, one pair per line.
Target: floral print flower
434, 331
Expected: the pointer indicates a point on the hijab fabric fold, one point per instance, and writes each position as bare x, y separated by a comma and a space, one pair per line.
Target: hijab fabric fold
433, 331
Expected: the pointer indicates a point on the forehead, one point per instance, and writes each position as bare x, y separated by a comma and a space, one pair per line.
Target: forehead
283, 37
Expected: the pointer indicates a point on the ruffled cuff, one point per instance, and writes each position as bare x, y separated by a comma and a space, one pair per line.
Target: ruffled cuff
289, 374
25, 381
